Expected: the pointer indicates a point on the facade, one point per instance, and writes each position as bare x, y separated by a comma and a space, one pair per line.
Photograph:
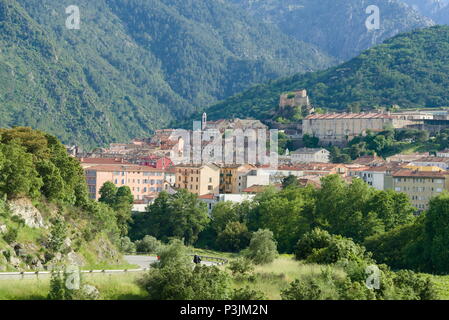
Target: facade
374, 176
420, 186
145, 182
306, 155
339, 128
259, 177
198, 179
231, 177
443, 153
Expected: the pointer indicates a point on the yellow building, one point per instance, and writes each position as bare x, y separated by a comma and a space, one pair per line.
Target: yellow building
231, 177
420, 186
198, 179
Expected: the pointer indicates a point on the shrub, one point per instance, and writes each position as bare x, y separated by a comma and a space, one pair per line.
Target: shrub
262, 248
241, 266
246, 293
313, 240
175, 254
148, 244
182, 283
302, 290
339, 249
127, 246
11, 235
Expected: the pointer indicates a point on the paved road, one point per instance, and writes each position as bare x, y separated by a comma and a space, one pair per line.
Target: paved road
145, 261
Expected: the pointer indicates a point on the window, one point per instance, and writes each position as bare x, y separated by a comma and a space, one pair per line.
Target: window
209, 187
210, 180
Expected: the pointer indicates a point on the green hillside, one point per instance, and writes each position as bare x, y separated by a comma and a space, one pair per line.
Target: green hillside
134, 65
410, 70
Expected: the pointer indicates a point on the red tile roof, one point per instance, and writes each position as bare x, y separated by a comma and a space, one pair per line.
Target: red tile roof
348, 116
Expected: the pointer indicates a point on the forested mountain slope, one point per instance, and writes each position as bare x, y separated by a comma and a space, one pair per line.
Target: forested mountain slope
409, 70
134, 65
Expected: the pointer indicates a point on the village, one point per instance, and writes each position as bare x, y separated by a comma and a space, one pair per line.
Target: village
147, 166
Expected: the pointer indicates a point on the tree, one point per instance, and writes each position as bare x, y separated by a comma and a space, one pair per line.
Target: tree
108, 193
436, 234
148, 244
290, 181
311, 241
18, 176
262, 248
234, 237
180, 215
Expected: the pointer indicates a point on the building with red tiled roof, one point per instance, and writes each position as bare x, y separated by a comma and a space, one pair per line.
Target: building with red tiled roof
420, 186
339, 128
145, 182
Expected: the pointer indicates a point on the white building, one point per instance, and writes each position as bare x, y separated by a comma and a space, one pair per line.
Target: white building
374, 176
307, 155
440, 162
211, 200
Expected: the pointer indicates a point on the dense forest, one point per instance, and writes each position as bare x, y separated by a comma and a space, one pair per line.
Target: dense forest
409, 70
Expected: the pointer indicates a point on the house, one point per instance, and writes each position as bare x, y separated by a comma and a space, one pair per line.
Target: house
307, 155
374, 176
369, 160
199, 179
420, 186
144, 182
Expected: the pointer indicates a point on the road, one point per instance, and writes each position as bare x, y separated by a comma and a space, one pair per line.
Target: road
145, 261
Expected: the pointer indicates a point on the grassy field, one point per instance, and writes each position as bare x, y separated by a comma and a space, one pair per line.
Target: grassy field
272, 278
111, 287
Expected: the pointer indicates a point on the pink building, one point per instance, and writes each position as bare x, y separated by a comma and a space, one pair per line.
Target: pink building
145, 182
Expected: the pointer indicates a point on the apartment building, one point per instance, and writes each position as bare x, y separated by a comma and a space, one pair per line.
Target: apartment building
198, 179
420, 186
144, 182
231, 177
307, 155
442, 163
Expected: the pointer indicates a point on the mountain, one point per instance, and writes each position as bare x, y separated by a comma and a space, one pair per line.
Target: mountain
134, 65
438, 10
409, 70
336, 26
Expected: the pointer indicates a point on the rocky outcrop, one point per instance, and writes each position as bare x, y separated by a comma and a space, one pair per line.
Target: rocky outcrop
25, 209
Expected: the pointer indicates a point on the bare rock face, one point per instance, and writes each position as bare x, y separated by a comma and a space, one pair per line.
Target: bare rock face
24, 209
3, 228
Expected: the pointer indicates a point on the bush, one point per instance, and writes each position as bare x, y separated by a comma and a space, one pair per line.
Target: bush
11, 235
246, 294
148, 244
175, 254
303, 290
262, 248
339, 249
241, 267
313, 240
127, 246
182, 283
